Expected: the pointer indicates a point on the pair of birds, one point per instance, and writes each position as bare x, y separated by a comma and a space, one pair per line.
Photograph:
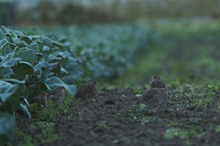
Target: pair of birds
157, 94
87, 90
56, 95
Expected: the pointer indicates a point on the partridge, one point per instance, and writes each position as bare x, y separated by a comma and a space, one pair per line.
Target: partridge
154, 97
57, 95
87, 90
157, 82
40, 99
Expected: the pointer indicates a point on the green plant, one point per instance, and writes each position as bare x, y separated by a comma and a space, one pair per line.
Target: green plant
31, 62
7, 127
101, 126
43, 114
47, 134
182, 134
43, 133
136, 90
217, 128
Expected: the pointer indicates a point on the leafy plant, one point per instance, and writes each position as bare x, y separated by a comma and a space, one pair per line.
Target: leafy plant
182, 134
31, 62
101, 126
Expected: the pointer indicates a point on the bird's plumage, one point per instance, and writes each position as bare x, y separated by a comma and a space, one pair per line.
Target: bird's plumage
157, 93
157, 82
87, 90
40, 99
154, 97
57, 95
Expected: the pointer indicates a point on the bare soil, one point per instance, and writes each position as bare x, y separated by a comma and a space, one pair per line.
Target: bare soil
124, 125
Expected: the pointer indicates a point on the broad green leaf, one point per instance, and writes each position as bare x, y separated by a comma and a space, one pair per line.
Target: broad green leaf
22, 69
57, 44
19, 43
40, 46
58, 55
5, 72
24, 109
9, 38
46, 41
34, 46
26, 39
14, 100
55, 68
42, 65
5, 49
2, 42
46, 48
4, 29
18, 33
7, 127
14, 81
27, 55
10, 62
12, 46
55, 81
6, 90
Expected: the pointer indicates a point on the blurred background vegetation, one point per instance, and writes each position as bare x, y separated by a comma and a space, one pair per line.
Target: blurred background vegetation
185, 26
47, 12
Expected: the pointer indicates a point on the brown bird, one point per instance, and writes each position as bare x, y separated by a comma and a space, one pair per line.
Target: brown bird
157, 82
57, 95
154, 97
87, 90
40, 99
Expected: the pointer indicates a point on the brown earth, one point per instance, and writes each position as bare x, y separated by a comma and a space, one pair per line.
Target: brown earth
113, 119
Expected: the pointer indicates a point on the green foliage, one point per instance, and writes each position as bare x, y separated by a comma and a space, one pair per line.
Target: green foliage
182, 134
106, 54
43, 114
31, 62
7, 127
43, 134
137, 90
101, 126
47, 135
217, 128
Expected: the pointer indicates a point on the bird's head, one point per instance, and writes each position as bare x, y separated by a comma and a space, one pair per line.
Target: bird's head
156, 77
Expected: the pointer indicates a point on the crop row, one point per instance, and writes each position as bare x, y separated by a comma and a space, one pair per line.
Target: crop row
31, 62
